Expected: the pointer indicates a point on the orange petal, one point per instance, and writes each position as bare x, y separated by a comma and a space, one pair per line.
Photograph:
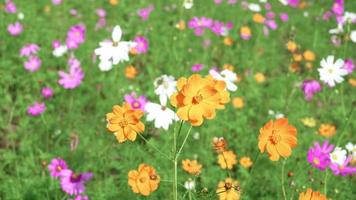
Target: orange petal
283, 149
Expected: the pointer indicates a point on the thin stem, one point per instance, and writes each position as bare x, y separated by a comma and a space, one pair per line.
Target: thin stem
227, 169
326, 183
184, 141
155, 148
282, 179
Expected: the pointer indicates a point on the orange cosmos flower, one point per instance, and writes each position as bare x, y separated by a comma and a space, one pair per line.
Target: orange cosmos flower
228, 190
327, 130
228, 41
219, 144
310, 195
125, 122
198, 98
227, 159
352, 82
143, 181
278, 138
238, 102
246, 162
297, 57
229, 67
309, 55
258, 18
291, 46
192, 166
131, 72
114, 2
260, 77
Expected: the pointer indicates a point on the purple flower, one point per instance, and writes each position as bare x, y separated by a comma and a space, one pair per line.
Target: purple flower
29, 49
142, 45
284, 17
80, 197
72, 79
197, 67
33, 64
144, 13
10, 7
15, 29
136, 103
101, 12
349, 66
271, 24
200, 24
56, 166
220, 29
75, 36
310, 87
293, 3
318, 156
338, 7
36, 109
73, 12
56, 2
343, 169
72, 183
47, 92
270, 15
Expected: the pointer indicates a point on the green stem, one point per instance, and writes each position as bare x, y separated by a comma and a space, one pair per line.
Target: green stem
326, 183
155, 148
184, 141
282, 179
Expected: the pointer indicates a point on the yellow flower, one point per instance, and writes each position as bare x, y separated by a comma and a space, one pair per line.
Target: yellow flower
130, 72
228, 41
198, 98
258, 18
310, 195
309, 55
228, 190
227, 159
238, 102
125, 122
114, 2
308, 121
260, 77
297, 57
291, 46
191, 166
327, 130
144, 180
246, 162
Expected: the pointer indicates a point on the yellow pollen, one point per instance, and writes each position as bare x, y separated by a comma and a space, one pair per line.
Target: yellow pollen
316, 161
123, 123
197, 99
275, 137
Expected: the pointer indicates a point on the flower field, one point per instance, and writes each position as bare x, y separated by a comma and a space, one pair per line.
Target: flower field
178, 99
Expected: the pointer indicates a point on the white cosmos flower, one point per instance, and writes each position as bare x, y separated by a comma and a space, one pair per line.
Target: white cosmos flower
353, 36
115, 51
188, 4
351, 147
229, 77
165, 86
330, 72
60, 51
284, 2
349, 17
338, 156
339, 29
161, 115
189, 184
254, 7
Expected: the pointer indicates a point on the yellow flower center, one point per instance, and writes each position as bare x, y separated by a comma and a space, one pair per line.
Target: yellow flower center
330, 71
334, 157
59, 168
228, 186
115, 44
274, 138
316, 161
153, 177
197, 99
123, 123
142, 179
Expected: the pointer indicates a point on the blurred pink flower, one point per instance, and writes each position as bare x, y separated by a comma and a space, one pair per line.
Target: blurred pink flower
284, 17
349, 66
338, 7
197, 67
72, 79
29, 49
343, 169
10, 7
141, 44
75, 36
47, 92
15, 29
271, 24
136, 103
33, 64
56, 44
270, 15
56, 2
101, 12
36, 109
293, 3
144, 13
56, 166
72, 183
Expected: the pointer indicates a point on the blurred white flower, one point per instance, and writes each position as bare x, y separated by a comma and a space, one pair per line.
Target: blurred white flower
196, 135
229, 77
188, 4
105, 65
254, 7
284, 2
276, 115
330, 72
161, 115
351, 147
338, 30
353, 36
189, 184
165, 86
338, 156
60, 51
114, 51
349, 17
20, 16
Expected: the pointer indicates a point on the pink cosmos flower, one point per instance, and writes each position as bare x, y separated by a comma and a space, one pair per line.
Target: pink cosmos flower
72, 183
47, 92
327, 15
36, 109
101, 12
319, 157
144, 13
232, 1
142, 45
56, 44
56, 2
75, 36
284, 17
15, 29
293, 3
217, 1
33, 64
271, 24
338, 7
200, 24
349, 66
197, 67
29, 49
310, 87
72, 79
268, 6
270, 15
10, 7
220, 29
343, 169
56, 166
136, 103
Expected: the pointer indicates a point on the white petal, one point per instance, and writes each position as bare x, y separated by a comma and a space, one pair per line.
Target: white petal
116, 33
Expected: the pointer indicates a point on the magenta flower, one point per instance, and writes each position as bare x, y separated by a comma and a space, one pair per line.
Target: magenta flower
56, 166
73, 62
10, 7
101, 12
29, 49
327, 15
284, 17
15, 29
220, 29
142, 45
33, 64
72, 183
270, 15
36, 109
343, 169
338, 7
231, 1
268, 6
56, 2
310, 87
319, 157
217, 1
349, 66
56, 44
72, 79
136, 103
293, 3
144, 13
197, 67
271, 24
200, 24
47, 92
75, 36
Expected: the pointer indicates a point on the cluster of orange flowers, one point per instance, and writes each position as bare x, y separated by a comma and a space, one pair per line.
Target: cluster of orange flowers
299, 56
198, 98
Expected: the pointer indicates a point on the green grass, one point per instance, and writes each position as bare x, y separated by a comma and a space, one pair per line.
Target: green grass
27, 142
